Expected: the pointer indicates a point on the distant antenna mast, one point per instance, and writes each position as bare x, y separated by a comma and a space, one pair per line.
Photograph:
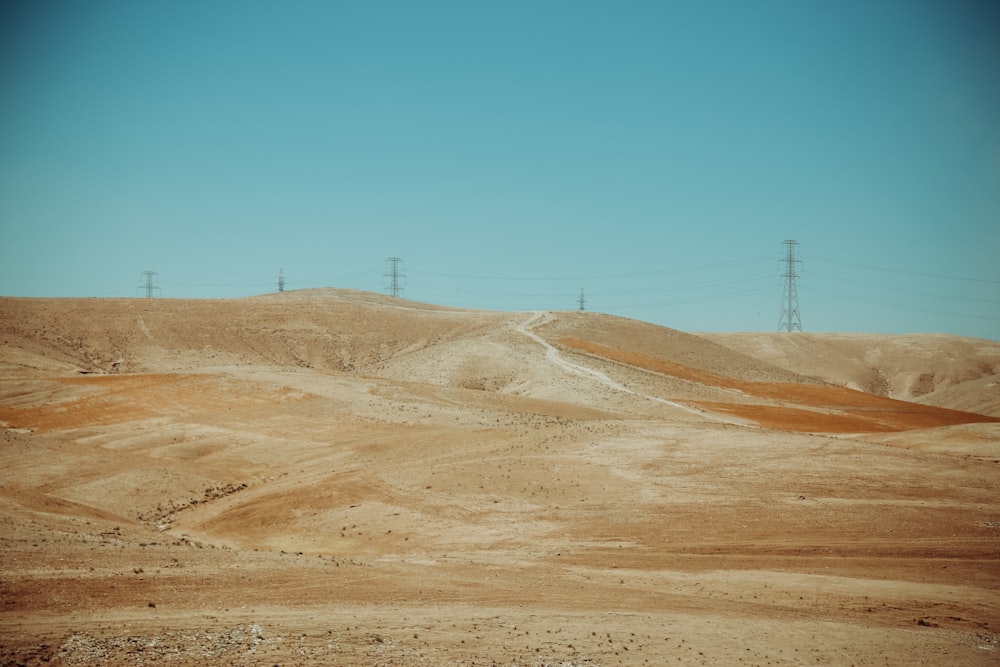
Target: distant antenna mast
281, 280
790, 319
394, 276
149, 280
582, 301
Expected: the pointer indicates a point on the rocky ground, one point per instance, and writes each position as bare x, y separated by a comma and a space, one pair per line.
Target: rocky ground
333, 477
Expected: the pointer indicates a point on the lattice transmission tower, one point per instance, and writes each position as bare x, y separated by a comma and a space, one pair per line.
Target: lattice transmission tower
394, 276
149, 283
281, 280
790, 319
582, 301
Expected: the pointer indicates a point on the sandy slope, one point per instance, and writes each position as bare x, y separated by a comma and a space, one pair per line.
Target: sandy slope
950, 371
334, 477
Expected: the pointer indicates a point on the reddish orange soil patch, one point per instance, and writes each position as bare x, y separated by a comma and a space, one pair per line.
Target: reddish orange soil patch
655, 364
813, 421
837, 409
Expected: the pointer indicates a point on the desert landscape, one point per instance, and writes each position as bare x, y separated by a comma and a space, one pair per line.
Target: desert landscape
345, 478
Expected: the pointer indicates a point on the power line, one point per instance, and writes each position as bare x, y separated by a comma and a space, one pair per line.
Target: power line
618, 276
896, 305
701, 291
715, 282
695, 299
905, 272
902, 290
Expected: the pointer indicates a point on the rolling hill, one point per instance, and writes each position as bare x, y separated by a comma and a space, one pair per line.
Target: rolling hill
339, 477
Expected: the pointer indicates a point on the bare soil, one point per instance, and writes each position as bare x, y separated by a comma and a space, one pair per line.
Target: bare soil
336, 477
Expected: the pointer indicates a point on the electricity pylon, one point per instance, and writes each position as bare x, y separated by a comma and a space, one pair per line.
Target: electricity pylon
394, 276
149, 279
790, 319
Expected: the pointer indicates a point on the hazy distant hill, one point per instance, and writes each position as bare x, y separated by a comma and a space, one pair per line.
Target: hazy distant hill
936, 369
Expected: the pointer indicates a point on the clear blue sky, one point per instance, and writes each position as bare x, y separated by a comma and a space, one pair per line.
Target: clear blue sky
654, 154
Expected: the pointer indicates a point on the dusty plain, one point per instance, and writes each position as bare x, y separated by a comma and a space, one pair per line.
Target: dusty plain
343, 478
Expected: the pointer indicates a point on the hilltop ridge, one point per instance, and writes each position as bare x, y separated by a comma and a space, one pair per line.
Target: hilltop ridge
367, 334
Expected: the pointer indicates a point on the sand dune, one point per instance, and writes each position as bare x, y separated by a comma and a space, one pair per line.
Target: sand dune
337, 477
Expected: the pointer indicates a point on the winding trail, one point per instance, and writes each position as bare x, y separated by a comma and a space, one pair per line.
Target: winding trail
539, 318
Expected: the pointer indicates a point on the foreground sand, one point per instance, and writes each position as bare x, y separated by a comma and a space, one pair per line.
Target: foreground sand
329, 477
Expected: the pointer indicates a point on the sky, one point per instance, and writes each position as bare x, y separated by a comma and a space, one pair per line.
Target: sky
654, 155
